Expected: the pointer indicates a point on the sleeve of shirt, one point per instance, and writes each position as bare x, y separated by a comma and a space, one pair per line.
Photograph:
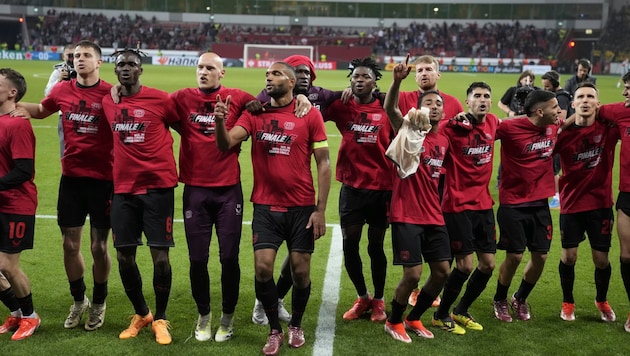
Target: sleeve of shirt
52, 81
316, 126
507, 97
50, 101
170, 111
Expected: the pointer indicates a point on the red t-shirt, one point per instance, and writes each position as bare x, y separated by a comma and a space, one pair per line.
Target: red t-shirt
201, 163
469, 166
143, 144
587, 154
526, 161
282, 145
415, 199
620, 115
409, 99
87, 137
366, 134
17, 141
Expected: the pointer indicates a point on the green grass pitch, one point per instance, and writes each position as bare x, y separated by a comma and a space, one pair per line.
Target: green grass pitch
545, 334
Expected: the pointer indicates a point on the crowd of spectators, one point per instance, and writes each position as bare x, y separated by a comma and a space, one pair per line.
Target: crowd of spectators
462, 40
613, 38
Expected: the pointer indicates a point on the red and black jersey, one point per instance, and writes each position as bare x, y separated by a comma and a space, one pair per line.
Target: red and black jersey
282, 146
409, 99
366, 134
587, 154
17, 141
526, 161
87, 137
201, 163
620, 115
415, 199
469, 165
143, 144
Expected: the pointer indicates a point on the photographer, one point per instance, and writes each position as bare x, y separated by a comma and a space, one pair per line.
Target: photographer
62, 71
512, 101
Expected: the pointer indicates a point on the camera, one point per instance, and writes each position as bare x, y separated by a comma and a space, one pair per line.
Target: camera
68, 68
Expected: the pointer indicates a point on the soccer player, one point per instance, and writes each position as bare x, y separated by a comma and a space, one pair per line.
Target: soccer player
620, 114
586, 151
86, 179
527, 144
418, 228
8, 298
18, 202
144, 181
582, 75
285, 207
212, 192
467, 207
366, 177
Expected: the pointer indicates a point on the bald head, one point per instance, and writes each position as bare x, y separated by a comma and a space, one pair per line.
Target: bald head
209, 71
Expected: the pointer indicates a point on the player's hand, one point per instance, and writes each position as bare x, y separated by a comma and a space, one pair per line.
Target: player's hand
221, 108
402, 70
302, 105
317, 220
20, 112
254, 106
114, 92
346, 95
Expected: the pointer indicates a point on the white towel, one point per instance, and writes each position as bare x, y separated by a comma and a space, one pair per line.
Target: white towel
406, 147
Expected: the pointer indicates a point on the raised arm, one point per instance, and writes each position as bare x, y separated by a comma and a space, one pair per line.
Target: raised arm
225, 139
400, 72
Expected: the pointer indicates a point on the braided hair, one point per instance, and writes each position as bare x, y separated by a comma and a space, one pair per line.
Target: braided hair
135, 51
365, 62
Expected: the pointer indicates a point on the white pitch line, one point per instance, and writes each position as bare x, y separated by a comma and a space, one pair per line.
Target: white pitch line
326, 321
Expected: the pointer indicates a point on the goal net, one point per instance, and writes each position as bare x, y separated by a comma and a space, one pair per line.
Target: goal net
262, 55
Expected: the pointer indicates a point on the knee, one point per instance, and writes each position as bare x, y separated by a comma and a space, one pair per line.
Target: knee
125, 260
99, 248
301, 279
264, 271
514, 259
230, 263
71, 246
487, 268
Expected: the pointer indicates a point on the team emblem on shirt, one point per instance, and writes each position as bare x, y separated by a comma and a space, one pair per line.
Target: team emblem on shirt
363, 129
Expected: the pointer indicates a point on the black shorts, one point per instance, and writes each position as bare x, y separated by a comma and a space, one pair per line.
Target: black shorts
221, 207
527, 227
83, 196
471, 231
151, 213
361, 206
16, 232
597, 224
412, 242
623, 202
556, 164
272, 225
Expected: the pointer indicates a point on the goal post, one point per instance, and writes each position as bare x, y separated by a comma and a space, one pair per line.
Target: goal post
263, 55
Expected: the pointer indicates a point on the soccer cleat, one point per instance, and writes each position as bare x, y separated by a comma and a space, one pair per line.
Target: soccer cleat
96, 317
607, 314
501, 311
258, 314
27, 327
413, 297
76, 313
11, 323
378, 311
225, 332
397, 331
360, 306
137, 322
274, 341
447, 324
417, 327
160, 329
521, 309
626, 326
436, 302
554, 203
296, 337
283, 314
203, 330
467, 321
568, 311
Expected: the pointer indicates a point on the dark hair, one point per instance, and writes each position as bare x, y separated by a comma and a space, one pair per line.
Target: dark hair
553, 77
527, 73
585, 63
289, 68
427, 93
365, 62
475, 85
587, 85
90, 44
626, 78
17, 80
536, 97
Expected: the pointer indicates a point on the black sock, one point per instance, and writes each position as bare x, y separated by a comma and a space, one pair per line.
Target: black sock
162, 279
9, 299
298, 304
354, 265
424, 302
230, 282
378, 263
524, 290
452, 288
77, 289
99, 294
267, 294
567, 279
501, 293
476, 285
200, 285
625, 275
395, 317
283, 285
26, 304
602, 281
132, 282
